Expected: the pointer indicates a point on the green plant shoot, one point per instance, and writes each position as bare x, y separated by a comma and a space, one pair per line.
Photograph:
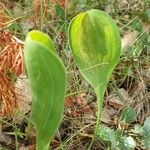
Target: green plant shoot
95, 43
48, 81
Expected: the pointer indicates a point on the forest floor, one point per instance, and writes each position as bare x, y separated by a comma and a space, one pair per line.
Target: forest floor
125, 122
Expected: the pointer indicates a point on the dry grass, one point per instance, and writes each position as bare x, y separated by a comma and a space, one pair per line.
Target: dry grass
11, 64
80, 113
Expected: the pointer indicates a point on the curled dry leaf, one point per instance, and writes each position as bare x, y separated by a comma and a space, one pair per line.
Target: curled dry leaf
115, 101
108, 114
78, 106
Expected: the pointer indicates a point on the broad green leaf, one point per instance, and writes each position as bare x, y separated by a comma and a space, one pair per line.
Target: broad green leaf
47, 80
146, 133
95, 43
128, 115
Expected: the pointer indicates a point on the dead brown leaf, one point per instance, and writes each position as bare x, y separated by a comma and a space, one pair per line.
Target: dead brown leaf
78, 106
127, 40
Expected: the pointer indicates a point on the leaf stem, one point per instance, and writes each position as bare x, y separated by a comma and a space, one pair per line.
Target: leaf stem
100, 90
40, 145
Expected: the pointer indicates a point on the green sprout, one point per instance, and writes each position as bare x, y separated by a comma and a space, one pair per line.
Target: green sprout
47, 81
95, 43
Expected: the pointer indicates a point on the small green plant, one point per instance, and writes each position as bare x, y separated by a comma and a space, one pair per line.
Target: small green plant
128, 115
146, 15
144, 132
47, 80
115, 139
95, 43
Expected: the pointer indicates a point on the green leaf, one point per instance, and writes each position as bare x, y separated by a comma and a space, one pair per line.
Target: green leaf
62, 22
128, 143
146, 133
146, 15
128, 115
15, 27
107, 134
138, 129
47, 80
136, 25
118, 142
95, 43
60, 12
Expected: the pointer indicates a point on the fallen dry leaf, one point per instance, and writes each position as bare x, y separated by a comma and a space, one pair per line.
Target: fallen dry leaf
22, 89
127, 40
4, 138
30, 147
78, 106
108, 114
115, 101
